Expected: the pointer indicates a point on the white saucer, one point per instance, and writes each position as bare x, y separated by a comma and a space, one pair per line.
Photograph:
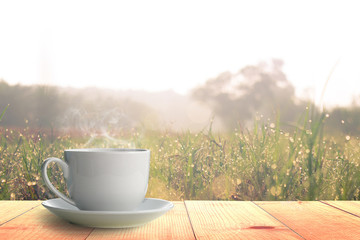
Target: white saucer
149, 209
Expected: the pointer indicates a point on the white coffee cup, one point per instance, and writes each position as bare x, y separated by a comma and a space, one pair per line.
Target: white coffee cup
103, 179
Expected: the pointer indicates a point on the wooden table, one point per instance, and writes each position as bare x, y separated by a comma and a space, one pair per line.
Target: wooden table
198, 220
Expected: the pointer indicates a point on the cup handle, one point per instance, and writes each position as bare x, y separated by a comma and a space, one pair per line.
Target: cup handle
45, 177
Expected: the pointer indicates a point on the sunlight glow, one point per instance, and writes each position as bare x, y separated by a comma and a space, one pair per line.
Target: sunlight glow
160, 45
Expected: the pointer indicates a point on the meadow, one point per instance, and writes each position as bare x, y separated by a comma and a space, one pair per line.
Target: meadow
267, 162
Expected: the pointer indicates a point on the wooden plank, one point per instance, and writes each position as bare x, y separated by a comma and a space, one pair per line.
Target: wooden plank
11, 209
234, 220
352, 207
39, 223
174, 224
314, 220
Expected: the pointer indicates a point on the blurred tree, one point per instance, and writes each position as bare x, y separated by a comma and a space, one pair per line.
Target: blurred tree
47, 106
19, 101
86, 110
262, 89
345, 120
39, 106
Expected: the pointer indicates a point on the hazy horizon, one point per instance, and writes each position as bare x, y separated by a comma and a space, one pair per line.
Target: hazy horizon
152, 46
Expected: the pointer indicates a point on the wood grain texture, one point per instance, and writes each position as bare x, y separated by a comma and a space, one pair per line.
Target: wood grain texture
11, 209
174, 224
39, 223
314, 220
348, 206
234, 220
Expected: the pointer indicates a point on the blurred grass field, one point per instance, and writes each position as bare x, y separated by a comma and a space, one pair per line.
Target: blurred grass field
265, 163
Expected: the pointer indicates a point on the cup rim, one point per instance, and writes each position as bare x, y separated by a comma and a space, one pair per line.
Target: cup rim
108, 150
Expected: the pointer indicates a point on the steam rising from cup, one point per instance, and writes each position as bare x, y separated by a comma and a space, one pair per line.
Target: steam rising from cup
102, 127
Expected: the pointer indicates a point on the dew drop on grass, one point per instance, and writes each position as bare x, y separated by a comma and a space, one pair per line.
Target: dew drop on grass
273, 191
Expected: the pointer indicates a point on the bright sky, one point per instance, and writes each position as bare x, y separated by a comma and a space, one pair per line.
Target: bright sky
160, 45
